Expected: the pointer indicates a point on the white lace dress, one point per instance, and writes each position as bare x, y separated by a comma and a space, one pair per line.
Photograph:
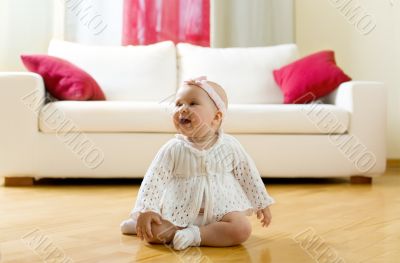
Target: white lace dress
181, 177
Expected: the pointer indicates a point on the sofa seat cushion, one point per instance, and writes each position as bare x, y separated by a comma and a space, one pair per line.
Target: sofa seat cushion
105, 116
287, 119
134, 116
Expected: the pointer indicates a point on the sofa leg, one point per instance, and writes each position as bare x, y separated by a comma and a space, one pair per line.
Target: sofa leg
18, 181
356, 179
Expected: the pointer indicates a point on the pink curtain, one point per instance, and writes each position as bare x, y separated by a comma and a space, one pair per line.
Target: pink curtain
151, 21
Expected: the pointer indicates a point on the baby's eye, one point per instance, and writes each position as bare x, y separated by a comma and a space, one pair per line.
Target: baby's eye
193, 103
178, 104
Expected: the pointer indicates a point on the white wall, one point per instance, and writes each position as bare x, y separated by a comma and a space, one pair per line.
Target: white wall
25, 27
325, 24
3, 33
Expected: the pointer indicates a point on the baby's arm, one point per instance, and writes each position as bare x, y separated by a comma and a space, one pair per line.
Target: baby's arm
265, 216
143, 226
147, 207
245, 171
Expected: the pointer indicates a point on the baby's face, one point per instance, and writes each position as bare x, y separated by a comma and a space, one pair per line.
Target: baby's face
195, 114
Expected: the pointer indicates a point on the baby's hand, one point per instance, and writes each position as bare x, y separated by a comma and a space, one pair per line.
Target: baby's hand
265, 215
143, 226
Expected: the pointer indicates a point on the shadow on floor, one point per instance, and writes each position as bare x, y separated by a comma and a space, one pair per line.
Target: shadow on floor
137, 181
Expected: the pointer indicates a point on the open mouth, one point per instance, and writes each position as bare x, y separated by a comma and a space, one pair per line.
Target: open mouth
184, 121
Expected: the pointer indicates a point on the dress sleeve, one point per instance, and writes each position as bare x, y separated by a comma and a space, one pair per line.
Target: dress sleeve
154, 182
246, 173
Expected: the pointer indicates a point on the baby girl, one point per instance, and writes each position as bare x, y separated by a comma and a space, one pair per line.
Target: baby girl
202, 185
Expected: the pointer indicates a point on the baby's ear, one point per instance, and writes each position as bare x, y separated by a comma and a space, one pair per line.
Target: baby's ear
218, 116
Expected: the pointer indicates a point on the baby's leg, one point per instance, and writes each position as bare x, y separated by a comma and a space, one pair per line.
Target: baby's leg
163, 233
233, 229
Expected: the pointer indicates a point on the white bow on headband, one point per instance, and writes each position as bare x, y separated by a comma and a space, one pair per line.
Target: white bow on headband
202, 83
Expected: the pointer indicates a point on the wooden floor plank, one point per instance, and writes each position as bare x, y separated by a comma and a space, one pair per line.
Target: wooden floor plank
317, 221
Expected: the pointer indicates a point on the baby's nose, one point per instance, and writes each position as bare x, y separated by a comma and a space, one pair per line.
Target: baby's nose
183, 108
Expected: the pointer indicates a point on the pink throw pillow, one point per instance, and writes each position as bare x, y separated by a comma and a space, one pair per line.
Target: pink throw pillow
310, 78
63, 80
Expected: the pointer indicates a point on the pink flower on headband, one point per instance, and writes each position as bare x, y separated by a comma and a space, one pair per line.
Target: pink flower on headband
202, 83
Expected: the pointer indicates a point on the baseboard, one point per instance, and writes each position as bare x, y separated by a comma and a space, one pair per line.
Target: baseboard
393, 163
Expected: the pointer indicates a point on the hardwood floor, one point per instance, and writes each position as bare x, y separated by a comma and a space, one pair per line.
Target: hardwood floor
318, 220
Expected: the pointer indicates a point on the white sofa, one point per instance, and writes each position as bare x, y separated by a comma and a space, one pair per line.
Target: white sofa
342, 136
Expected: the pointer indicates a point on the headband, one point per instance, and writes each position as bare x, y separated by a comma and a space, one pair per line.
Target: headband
202, 83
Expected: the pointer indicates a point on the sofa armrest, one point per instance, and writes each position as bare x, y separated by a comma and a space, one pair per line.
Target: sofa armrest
366, 103
22, 95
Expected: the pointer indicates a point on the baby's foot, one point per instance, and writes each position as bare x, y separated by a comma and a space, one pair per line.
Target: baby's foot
188, 237
128, 227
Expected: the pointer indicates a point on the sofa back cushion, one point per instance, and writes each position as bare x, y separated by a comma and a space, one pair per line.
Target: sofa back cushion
140, 73
245, 73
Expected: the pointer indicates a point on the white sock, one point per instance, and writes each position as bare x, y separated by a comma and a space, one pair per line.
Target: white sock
128, 227
188, 237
